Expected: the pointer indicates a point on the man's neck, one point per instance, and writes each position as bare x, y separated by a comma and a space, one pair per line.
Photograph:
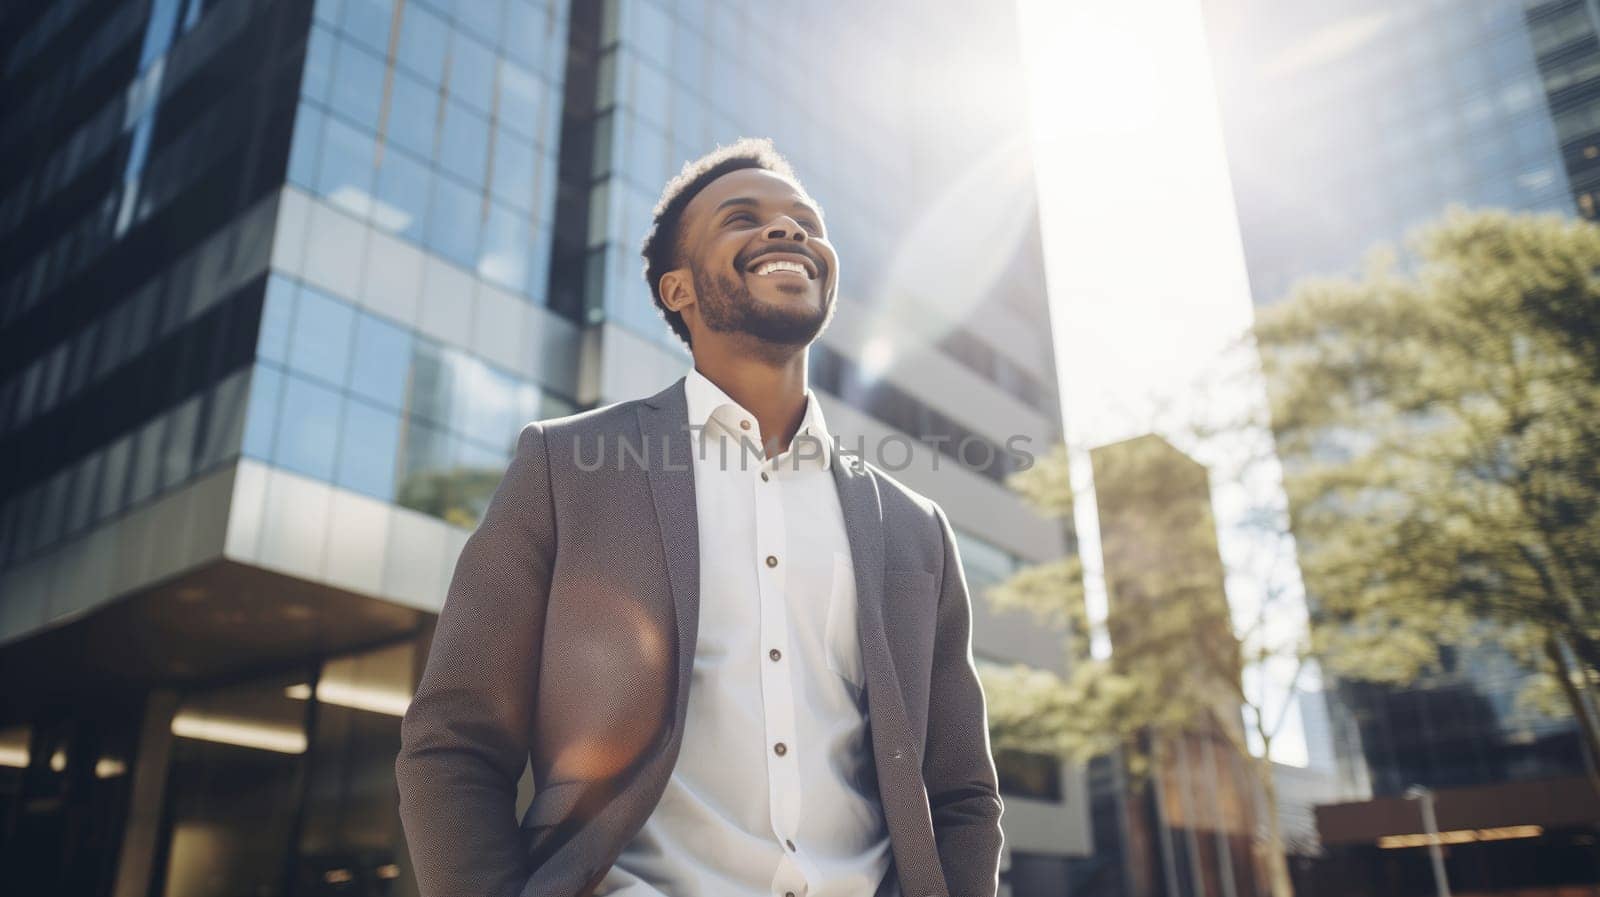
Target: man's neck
775, 394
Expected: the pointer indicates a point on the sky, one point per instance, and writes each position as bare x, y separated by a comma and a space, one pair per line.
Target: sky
1146, 276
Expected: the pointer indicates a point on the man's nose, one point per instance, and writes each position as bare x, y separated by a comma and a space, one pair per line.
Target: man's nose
786, 228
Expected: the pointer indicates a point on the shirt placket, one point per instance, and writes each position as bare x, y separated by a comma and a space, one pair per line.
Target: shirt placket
777, 687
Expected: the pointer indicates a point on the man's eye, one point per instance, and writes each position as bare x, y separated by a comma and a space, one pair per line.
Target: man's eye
740, 215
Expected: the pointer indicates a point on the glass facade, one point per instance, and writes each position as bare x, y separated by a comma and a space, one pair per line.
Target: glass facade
439, 122
1348, 124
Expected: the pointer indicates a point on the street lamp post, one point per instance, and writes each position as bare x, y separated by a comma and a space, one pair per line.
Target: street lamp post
1431, 826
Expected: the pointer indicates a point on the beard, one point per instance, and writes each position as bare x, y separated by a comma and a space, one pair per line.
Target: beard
727, 306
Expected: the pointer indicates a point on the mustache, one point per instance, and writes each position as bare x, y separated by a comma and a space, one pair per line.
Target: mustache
795, 248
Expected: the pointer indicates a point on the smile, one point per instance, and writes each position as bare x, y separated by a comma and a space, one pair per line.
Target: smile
774, 263
767, 268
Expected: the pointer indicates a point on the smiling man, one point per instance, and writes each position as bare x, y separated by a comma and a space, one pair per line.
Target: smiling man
742, 668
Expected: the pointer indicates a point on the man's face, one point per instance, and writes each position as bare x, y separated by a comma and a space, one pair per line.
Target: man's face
759, 258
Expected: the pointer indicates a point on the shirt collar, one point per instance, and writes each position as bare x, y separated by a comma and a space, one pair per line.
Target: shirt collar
707, 402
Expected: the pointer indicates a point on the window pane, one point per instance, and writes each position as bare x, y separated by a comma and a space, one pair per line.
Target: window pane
261, 420
413, 114
481, 17
225, 415
480, 469
177, 459
357, 85
146, 461
382, 360
471, 72
519, 99
514, 159
304, 146
453, 222
85, 490
368, 449
321, 343
431, 383
52, 510
309, 435
464, 143
531, 40
328, 11
423, 39
403, 187
538, 283
319, 65
345, 175
484, 405
425, 481
504, 256
114, 479
368, 21
277, 310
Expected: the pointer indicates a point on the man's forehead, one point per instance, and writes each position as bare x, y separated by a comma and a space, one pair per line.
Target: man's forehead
750, 183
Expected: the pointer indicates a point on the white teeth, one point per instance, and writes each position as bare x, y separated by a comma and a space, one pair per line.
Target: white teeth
782, 265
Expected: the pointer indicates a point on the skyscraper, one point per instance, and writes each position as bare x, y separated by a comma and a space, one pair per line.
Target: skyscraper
279, 284
1186, 827
1347, 125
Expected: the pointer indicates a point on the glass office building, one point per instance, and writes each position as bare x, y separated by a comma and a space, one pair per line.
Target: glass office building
281, 281
1347, 125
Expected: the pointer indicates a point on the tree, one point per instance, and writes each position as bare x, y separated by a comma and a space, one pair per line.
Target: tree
1438, 426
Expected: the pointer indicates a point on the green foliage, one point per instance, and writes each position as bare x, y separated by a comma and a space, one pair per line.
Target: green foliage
1439, 431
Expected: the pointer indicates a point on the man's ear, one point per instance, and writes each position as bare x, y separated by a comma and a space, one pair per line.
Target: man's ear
677, 289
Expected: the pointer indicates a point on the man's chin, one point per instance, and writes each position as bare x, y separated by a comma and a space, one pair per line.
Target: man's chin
785, 330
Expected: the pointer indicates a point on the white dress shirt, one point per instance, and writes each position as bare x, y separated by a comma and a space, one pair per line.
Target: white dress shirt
774, 793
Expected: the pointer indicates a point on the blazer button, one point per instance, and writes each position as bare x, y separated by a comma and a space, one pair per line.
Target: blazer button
775, 654
772, 560
780, 749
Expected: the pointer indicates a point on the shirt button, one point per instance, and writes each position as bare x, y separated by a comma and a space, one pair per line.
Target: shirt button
780, 749
772, 560
764, 476
789, 844
775, 654
744, 425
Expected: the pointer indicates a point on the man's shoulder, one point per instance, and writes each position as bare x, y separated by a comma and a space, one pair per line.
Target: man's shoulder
607, 418
899, 499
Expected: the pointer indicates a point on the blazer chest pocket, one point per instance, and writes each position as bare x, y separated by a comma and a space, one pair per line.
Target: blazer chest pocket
841, 643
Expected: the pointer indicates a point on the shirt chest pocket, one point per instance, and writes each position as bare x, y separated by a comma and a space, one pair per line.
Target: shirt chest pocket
841, 644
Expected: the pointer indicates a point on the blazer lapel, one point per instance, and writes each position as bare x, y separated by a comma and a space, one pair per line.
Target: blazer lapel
663, 422
900, 785
863, 522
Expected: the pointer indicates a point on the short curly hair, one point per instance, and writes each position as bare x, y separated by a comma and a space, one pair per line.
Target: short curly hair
663, 245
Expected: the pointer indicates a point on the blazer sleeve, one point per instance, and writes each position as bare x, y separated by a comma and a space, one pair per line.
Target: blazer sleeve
957, 767
465, 738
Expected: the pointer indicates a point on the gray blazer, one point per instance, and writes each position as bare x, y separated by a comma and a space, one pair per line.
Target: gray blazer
568, 635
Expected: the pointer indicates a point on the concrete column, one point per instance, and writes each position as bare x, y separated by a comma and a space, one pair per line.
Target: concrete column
136, 859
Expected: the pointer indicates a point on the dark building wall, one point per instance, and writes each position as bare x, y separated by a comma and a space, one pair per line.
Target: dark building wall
138, 151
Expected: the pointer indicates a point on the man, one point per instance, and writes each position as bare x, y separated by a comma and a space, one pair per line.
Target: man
739, 663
